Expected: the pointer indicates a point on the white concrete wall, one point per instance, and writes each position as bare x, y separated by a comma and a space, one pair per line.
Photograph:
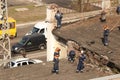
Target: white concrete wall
106, 4
52, 42
111, 77
63, 47
50, 14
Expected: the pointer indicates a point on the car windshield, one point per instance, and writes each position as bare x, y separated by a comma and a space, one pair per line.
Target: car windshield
12, 63
35, 30
23, 41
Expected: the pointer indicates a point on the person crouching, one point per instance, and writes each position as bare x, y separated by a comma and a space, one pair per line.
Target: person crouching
71, 56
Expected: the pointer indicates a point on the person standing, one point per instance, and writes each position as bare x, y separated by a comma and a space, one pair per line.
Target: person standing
80, 65
56, 61
58, 17
105, 35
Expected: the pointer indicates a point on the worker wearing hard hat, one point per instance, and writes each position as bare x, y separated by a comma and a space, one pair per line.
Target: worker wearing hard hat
56, 61
105, 35
80, 65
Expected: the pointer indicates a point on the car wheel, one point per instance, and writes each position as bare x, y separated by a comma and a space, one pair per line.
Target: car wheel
16, 34
22, 51
42, 46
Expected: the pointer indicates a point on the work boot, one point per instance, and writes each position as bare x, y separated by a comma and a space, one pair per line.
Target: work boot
57, 72
81, 71
72, 61
77, 71
106, 44
53, 71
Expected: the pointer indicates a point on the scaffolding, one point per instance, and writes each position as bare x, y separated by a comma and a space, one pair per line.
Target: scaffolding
5, 50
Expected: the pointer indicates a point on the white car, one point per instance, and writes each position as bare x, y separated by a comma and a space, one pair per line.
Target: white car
22, 62
40, 27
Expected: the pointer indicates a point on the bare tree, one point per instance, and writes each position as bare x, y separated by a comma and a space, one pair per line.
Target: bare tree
78, 5
86, 5
81, 5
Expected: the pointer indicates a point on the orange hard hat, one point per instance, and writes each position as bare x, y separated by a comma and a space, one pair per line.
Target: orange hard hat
57, 49
105, 27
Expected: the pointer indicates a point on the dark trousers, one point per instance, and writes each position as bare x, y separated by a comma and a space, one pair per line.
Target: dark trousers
105, 40
55, 66
71, 58
58, 23
80, 66
118, 13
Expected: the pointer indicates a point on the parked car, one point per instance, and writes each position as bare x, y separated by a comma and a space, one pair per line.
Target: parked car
12, 31
29, 43
40, 27
22, 62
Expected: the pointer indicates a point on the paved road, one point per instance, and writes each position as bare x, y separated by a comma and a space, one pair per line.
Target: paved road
22, 29
33, 54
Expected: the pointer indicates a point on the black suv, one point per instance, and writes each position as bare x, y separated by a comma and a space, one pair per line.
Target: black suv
30, 42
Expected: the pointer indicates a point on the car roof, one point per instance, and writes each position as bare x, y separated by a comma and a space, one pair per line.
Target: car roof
41, 25
34, 35
20, 59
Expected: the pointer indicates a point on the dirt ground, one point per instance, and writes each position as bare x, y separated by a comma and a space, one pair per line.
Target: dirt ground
33, 13
22, 2
43, 72
17, 2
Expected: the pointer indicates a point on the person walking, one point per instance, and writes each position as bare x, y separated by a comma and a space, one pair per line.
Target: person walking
105, 35
56, 61
80, 65
58, 17
71, 56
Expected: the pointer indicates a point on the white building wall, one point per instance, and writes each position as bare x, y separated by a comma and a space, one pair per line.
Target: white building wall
52, 43
106, 4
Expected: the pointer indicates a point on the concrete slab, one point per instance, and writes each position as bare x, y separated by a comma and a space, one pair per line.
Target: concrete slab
112, 77
21, 9
86, 31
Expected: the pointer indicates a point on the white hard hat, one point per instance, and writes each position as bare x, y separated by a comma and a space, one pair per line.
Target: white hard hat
82, 51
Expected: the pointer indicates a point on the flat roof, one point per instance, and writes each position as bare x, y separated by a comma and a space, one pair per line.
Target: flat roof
91, 30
